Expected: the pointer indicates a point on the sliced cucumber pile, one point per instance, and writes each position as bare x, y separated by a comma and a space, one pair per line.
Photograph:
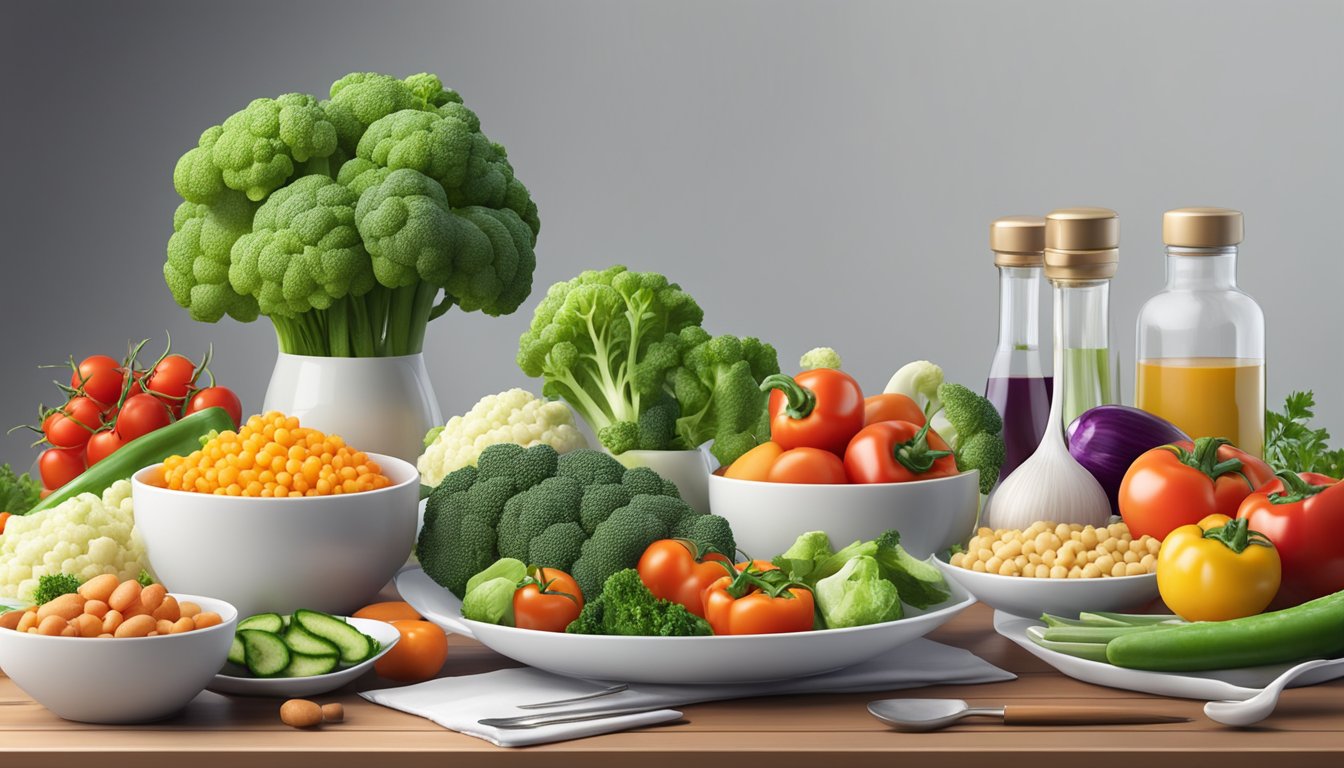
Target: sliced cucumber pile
303, 645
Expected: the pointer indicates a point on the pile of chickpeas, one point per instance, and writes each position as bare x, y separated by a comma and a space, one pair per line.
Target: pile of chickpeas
1049, 551
106, 606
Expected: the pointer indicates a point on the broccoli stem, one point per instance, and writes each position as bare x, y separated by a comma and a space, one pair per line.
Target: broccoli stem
421, 308
377, 303
338, 328
401, 305
361, 333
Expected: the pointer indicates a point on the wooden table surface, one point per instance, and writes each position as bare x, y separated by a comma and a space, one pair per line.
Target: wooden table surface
1307, 729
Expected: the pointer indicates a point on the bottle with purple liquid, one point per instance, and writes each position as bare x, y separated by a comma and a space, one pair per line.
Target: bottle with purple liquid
1019, 385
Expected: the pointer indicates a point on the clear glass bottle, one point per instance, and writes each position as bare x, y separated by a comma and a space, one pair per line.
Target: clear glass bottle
1201, 341
1081, 256
1018, 385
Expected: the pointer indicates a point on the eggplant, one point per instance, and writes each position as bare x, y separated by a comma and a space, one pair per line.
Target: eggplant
1108, 438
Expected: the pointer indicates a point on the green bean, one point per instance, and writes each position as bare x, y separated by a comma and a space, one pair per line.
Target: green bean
1095, 634
1094, 618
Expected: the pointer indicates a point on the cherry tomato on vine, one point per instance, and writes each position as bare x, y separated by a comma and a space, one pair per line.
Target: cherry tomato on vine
548, 602
171, 380
59, 466
71, 426
140, 415
100, 377
102, 444
675, 569
217, 397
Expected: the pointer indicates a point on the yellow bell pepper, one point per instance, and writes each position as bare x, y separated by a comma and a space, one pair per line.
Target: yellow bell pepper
1217, 569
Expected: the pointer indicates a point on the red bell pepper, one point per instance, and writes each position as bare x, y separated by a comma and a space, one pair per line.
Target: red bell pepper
897, 452
821, 408
1304, 516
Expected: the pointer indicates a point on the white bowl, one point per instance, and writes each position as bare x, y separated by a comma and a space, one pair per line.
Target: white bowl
237, 681
931, 515
1061, 597
325, 553
119, 680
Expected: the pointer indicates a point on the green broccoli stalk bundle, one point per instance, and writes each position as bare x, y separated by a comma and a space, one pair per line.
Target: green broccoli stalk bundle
581, 512
627, 351
351, 222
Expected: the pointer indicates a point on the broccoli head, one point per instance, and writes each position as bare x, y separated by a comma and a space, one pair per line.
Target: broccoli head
197, 269
718, 387
259, 146
627, 607
581, 512
971, 425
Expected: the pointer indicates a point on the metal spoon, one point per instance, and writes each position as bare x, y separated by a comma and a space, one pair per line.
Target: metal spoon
1262, 704
918, 715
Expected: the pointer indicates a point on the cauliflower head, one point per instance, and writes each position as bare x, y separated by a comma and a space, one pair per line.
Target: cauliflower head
515, 416
85, 536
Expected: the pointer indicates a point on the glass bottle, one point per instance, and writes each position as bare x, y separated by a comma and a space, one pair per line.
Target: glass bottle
1018, 385
1081, 256
1201, 341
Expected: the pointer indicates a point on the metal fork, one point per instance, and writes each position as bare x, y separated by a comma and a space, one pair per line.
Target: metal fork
594, 695
575, 716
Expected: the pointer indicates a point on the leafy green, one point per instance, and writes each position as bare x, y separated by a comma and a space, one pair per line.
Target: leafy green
18, 492
1291, 443
490, 601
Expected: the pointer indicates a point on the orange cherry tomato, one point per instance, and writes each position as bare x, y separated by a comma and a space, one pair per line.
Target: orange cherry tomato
756, 463
808, 465
892, 406
549, 601
757, 612
759, 565
390, 611
418, 656
674, 569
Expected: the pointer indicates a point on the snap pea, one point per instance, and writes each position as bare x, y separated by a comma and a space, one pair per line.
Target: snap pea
1096, 634
1106, 618
1310, 630
1089, 651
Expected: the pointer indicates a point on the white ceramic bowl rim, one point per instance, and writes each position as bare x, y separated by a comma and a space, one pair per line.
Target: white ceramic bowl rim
384, 461
227, 613
1025, 579
714, 477
955, 602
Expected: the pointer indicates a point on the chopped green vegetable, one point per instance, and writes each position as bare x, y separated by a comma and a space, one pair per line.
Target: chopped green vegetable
973, 428
145, 578
490, 601
811, 560
52, 585
820, 357
18, 492
503, 568
1291, 443
718, 389
857, 595
626, 607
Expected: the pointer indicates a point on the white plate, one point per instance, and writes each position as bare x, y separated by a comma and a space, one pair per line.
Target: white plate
1222, 684
289, 687
684, 660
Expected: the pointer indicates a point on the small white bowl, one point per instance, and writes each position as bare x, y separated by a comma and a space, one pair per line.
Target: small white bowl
235, 680
324, 553
119, 680
931, 515
1061, 597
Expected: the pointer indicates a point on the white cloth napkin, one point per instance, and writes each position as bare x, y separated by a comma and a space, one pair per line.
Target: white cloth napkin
458, 703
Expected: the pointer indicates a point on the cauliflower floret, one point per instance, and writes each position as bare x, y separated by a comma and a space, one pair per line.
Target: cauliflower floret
514, 416
85, 536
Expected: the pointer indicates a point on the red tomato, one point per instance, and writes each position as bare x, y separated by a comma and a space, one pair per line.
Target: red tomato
820, 408
140, 415
217, 397
102, 444
59, 466
807, 465
548, 602
100, 377
897, 452
390, 611
757, 612
71, 426
673, 569
1183, 483
891, 406
171, 380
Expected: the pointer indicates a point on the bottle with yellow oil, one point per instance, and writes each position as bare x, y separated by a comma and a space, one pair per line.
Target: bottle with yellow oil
1201, 341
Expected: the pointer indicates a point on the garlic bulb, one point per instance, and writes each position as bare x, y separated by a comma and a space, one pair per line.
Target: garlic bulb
1050, 486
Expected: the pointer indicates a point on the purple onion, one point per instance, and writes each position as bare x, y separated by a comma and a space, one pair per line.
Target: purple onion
1108, 438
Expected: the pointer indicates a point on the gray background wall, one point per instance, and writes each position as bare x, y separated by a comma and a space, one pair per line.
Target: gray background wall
815, 173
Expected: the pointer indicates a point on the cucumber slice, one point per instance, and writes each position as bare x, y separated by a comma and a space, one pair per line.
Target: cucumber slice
306, 665
354, 646
266, 622
236, 654
266, 653
302, 641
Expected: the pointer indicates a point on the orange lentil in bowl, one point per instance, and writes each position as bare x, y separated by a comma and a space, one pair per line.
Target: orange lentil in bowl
272, 456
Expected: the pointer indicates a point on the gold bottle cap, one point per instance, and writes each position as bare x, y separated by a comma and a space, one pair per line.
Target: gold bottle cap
1017, 241
1082, 244
1201, 227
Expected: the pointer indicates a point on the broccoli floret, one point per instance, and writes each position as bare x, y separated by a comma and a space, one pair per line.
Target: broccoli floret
590, 467
524, 466
458, 537
619, 436
708, 531
642, 480
52, 585
197, 269
527, 515
658, 425
626, 607
820, 357
258, 146
718, 387
599, 501
974, 434
616, 543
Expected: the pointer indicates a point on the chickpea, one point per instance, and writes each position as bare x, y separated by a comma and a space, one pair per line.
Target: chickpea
1091, 571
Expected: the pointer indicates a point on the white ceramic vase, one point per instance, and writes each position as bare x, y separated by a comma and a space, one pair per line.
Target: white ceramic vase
377, 404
